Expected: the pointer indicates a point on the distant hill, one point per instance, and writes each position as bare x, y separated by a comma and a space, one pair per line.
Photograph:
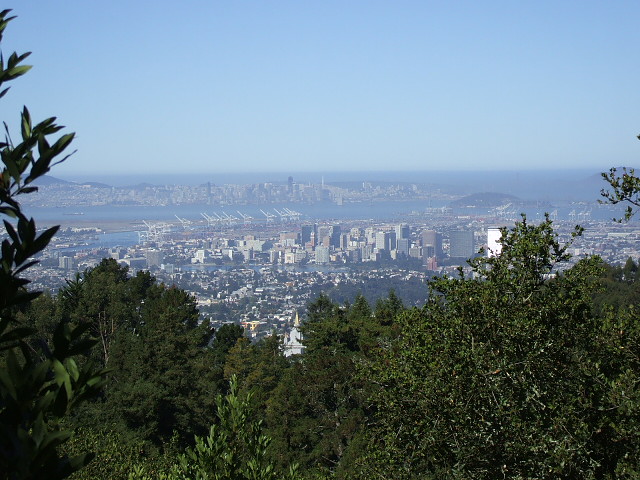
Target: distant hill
49, 180
487, 199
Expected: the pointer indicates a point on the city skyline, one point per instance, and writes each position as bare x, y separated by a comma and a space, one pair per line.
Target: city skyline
413, 86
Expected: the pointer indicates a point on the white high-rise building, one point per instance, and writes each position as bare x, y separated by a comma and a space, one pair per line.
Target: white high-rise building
494, 247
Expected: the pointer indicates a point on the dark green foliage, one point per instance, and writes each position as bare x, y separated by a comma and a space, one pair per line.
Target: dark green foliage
115, 456
319, 408
259, 367
150, 338
508, 375
234, 449
388, 308
620, 288
155, 386
107, 300
411, 292
34, 393
166, 368
225, 338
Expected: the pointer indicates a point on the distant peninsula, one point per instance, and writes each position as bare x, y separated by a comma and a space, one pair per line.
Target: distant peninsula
486, 199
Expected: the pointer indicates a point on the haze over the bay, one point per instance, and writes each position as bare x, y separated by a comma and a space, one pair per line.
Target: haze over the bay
163, 87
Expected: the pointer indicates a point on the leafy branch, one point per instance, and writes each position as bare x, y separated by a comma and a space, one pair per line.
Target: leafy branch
624, 188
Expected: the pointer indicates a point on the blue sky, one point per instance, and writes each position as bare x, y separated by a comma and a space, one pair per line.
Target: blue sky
211, 86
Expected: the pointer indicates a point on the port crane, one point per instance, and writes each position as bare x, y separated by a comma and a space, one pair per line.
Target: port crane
246, 218
269, 216
293, 215
186, 224
155, 231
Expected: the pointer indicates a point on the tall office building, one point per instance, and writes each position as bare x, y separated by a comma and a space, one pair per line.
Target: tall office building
154, 257
402, 231
66, 262
322, 255
403, 246
307, 231
461, 244
382, 241
494, 247
336, 231
432, 244
391, 241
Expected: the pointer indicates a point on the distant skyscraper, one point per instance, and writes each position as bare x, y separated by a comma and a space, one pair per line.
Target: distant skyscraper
154, 258
391, 241
494, 247
290, 185
382, 241
307, 231
322, 255
432, 264
336, 231
323, 231
461, 244
66, 262
402, 231
433, 239
344, 241
403, 246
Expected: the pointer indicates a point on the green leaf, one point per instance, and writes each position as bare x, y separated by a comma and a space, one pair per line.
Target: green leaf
17, 334
62, 143
26, 123
11, 231
15, 72
44, 238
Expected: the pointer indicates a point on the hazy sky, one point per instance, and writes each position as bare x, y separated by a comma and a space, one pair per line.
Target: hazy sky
205, 86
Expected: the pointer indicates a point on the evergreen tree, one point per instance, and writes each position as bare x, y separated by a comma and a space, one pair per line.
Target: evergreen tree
507, 375
318, 408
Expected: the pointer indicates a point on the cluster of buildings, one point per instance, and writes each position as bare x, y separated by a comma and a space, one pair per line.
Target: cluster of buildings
261, 276
64, 194
350, 243
332, 243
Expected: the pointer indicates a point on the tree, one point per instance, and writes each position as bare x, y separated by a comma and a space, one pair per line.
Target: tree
107, 300
624, 188
155, 389
508, 375
318, 408
621, 289
39, 382
258, 367
234, 449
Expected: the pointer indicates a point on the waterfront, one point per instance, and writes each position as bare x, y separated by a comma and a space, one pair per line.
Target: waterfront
131, 218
